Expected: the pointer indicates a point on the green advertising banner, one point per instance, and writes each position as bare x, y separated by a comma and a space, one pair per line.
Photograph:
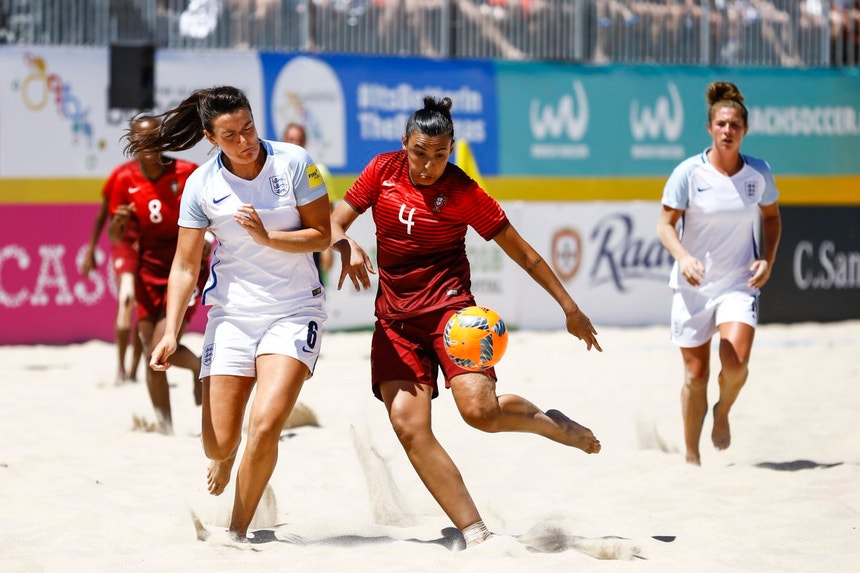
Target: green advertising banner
562, 120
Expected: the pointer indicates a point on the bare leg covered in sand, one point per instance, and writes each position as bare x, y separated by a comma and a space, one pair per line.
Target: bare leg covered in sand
409, 410
224, 400
278, 383
721, 434
218, 474
573, 434
735, 346
694, 398
475, 395
408, 406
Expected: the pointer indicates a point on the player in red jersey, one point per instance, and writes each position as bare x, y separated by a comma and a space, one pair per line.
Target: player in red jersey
124, 259
150, 202
422, 205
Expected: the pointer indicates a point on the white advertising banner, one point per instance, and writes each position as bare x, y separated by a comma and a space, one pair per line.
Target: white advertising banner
607, 255
55, 100
54, 108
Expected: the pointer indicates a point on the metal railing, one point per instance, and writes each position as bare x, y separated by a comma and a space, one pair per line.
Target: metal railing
788, 33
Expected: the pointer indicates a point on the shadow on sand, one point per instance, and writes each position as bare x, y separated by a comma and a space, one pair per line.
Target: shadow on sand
451, 539
794, 466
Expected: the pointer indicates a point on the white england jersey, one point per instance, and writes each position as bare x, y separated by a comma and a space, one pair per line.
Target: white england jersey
246, 277
718, 226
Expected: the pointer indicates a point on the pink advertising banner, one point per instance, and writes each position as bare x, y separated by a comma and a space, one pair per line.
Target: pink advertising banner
43, 297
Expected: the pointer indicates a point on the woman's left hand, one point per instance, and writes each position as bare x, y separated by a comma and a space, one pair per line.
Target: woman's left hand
579, 325
248, 218
760, 273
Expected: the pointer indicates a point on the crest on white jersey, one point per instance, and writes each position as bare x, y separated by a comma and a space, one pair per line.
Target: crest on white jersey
280, 185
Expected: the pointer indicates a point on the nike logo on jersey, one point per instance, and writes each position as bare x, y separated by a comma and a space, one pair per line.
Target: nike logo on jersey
132, 190
306, 349
216, 201
702, 189
388, 183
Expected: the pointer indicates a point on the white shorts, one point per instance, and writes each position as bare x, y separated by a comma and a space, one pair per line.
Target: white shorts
695, 317
231, 344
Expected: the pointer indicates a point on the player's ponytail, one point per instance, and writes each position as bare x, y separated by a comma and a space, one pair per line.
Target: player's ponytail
183, 126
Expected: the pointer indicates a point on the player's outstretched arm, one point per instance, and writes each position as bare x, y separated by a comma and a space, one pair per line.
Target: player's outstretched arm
522, 253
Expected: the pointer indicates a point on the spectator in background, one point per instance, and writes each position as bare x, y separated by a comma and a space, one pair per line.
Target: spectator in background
845, 32
123, 257
717, 197
150, 203
296, 134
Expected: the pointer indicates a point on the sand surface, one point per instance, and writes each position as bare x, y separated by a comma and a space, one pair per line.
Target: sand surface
82, 489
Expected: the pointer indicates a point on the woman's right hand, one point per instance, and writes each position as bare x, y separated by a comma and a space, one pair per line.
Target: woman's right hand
355, 263
162, 351
692, 270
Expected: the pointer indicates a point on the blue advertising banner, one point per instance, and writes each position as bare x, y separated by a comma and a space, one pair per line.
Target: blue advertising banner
356, 107
616, 121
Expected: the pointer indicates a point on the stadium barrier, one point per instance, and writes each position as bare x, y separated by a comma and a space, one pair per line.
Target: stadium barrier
786, 33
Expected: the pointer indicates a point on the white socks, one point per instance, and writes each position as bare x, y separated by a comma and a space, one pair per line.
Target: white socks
476, 533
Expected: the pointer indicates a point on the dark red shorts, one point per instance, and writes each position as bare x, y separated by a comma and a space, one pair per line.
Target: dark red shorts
151, 297
413, 350
124, 257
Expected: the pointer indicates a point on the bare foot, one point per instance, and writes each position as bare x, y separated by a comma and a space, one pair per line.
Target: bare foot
574, 434
721, 435
694, 459
218, 475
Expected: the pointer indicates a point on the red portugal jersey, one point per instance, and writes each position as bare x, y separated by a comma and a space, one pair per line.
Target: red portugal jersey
421, 234
156, 211
118, 182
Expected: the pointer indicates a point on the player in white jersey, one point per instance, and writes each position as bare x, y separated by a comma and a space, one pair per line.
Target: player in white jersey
712, 204
268, 207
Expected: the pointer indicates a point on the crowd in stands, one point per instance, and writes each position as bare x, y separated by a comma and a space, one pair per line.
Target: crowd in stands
711, 32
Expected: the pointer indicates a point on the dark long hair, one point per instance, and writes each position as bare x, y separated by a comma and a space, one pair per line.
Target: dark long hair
182, 127
433, 119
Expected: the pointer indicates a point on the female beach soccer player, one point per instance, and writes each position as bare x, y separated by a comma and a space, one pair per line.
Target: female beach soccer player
717, 196
421, 205
267, 205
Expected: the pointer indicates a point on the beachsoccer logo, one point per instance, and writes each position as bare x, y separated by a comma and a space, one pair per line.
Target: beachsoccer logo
566, 253
558, 127
657, 127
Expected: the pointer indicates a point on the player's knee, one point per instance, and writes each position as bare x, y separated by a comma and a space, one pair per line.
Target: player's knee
407, 431
734, 370
696, 377
221, 450
264, 431
481, 417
